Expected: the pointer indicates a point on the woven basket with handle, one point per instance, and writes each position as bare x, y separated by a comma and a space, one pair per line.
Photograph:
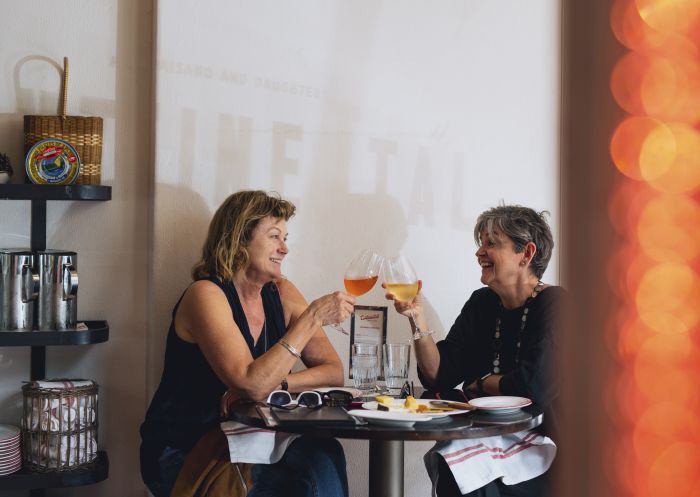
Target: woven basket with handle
84, 133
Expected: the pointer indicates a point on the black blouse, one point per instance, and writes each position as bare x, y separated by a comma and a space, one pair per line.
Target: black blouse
467, 353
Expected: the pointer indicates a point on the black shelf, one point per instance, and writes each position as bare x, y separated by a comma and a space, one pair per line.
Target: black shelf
97, 332
27, 480
55, 192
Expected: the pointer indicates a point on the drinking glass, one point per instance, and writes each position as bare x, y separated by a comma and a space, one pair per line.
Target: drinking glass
400, 278
365, 367
396, 360
361, 275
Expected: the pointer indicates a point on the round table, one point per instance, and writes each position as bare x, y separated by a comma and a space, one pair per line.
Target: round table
386, 443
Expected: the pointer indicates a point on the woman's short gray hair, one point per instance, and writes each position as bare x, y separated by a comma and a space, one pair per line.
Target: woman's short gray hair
522, 225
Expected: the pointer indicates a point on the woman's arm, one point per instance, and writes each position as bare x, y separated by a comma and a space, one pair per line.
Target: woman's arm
323, 365
427, 353
204, 317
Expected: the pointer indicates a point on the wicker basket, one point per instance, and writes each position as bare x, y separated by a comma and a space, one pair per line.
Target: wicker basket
84, 133
59, 424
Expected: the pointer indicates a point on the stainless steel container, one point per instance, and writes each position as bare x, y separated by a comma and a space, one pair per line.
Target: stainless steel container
19, 285
58, 289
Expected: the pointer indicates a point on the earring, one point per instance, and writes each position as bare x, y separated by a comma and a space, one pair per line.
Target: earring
523, 262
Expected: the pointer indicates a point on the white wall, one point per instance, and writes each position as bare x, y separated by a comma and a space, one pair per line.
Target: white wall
109, 44
390, 124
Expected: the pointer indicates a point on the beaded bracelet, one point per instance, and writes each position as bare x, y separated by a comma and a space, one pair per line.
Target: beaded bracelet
291, 348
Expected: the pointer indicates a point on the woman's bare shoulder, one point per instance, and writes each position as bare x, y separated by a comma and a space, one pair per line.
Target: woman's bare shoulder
289, 293
202, 290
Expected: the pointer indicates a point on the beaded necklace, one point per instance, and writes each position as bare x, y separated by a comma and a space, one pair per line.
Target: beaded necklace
523, 320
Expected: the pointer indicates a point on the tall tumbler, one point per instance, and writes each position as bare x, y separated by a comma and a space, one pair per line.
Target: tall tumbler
58, 289
19, 286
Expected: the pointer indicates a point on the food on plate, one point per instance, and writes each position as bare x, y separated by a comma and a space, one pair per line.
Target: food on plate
386, 403
410, 405
425, 409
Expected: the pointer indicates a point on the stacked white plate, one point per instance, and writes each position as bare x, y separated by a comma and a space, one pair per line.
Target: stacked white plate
10, 459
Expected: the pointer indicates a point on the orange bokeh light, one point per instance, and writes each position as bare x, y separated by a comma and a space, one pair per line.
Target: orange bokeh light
626, 144
670, 89
626, 82
657, 428
669, 288
630, 29
666, 379
634, 33
637, 267
664, 87
675, 470
654, 401
668, 228
625, 204
629, 401
671, 162
631, 336
677, 16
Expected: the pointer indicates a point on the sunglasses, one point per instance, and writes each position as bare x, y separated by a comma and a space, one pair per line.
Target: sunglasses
282, 399
337, 398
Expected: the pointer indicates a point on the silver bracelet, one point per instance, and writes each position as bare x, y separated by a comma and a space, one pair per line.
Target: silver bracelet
291, 348
418, 334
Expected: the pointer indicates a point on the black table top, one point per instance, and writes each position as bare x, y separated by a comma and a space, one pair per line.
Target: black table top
469, 425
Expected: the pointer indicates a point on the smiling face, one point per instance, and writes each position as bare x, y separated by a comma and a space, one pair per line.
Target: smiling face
267, 249
501, 266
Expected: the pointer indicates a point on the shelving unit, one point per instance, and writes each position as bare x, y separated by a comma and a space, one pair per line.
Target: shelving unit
97, 332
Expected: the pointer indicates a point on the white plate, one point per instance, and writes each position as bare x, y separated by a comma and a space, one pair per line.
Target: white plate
372, 406
354, 391
385, 418
500, 404
8, 432
10, 461
9, 471
11, 442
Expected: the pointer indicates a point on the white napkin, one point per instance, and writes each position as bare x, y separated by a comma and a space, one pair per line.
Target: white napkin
249, 444
69, 450
516, 457
53, 415
63, 384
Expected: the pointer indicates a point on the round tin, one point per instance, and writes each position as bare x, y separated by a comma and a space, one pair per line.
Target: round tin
52, 161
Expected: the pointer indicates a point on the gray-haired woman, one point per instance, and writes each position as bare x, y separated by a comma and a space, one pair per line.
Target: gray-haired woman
502, 342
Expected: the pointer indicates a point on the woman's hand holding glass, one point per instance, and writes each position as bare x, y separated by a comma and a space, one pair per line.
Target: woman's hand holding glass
412, 308
332, 308
403, 285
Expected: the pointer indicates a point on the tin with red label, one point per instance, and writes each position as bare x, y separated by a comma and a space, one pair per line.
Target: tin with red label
52, 162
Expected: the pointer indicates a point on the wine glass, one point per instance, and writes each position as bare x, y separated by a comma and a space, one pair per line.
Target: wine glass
400, 279
361, 275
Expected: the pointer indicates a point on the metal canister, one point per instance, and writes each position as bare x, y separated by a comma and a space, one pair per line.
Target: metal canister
58, 289
19, 286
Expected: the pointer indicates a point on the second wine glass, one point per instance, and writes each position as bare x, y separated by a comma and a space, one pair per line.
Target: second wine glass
400, 278
401, 281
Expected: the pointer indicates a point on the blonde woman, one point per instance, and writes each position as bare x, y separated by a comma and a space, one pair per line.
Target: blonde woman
237, 330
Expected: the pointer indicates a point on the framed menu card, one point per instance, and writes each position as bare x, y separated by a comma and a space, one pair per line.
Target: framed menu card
368, 325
